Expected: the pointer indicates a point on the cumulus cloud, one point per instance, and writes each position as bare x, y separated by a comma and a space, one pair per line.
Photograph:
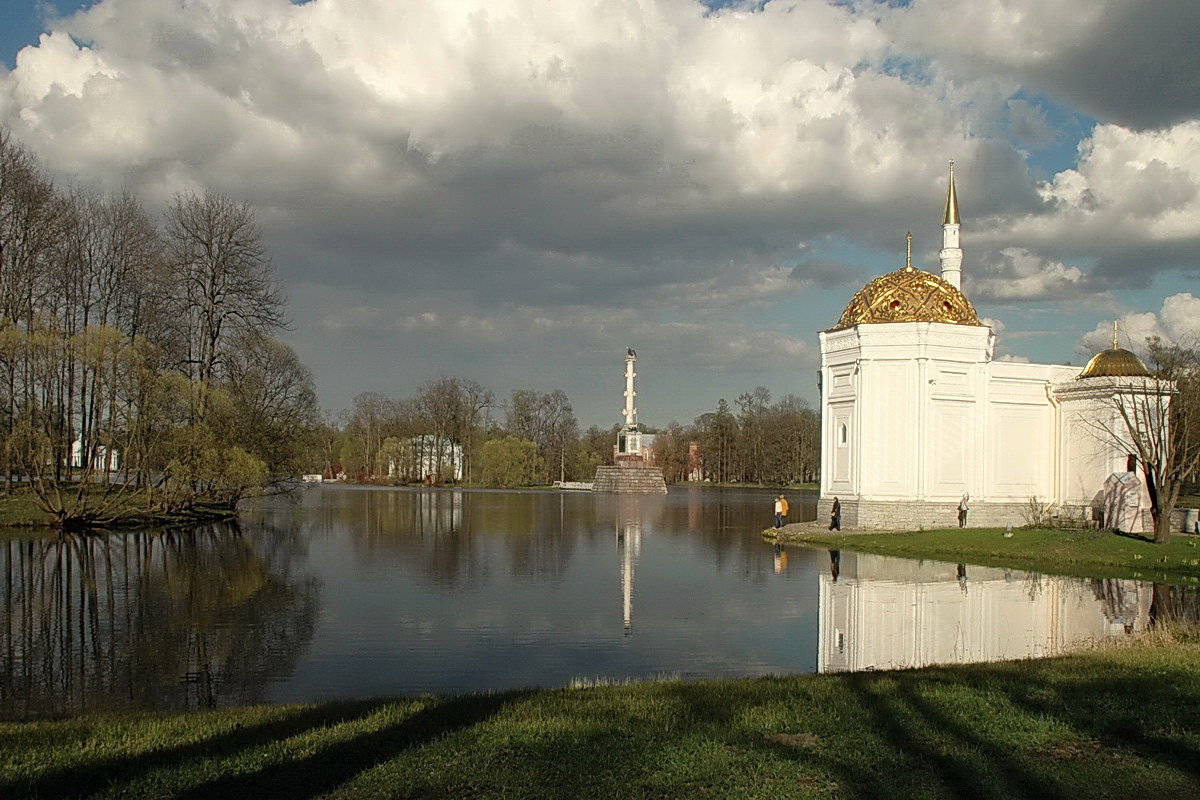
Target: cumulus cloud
573, 171
443, 137
1018, 273
1130, 207
1177, 322
996, 325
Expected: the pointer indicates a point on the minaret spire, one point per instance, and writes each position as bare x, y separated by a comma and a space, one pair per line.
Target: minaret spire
908, 252
1114, 334
951, 255
951, 216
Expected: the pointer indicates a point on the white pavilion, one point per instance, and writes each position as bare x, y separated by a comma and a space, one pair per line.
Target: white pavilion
916, 413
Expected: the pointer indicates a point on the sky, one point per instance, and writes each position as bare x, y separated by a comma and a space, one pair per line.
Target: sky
514, 191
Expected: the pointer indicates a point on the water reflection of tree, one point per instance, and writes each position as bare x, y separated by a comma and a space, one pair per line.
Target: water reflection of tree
1175, 605
160, 620
458, 539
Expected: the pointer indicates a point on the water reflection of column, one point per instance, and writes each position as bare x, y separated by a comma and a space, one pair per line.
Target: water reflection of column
629, 542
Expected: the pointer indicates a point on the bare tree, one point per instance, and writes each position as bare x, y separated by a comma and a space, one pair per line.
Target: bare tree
226, 285
1157, 419
546, 419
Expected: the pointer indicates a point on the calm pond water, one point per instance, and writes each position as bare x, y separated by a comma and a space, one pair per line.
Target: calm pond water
355, 591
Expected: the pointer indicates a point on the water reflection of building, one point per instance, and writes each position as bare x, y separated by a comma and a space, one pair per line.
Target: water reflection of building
883, 613
438, 511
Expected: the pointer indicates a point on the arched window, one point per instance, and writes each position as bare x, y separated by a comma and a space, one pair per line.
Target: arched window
842, 434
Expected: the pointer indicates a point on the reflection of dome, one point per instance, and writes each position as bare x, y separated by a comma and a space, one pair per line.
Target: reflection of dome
1114, 362
908, 295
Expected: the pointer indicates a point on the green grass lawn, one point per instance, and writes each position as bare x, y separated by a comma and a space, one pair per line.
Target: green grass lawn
1117, 723
1093, 554
20, 509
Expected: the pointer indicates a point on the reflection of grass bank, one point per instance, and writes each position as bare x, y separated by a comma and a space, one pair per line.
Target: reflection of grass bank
1112, 722
1093, 554
21, 510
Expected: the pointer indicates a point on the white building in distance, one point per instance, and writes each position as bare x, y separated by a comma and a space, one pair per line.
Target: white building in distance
916, 413
102, 458
421, 457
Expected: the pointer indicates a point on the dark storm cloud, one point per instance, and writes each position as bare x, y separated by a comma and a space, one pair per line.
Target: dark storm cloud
1138, 67
1129, 62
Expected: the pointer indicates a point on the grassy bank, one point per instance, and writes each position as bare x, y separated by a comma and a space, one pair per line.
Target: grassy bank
795, 486
21, 510
1094, 554
1110, 723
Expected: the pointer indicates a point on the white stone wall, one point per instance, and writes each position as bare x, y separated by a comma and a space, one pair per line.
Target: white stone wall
902, 415
915, 415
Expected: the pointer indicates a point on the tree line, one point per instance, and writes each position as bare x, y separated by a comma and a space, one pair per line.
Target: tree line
456, 429
136, 351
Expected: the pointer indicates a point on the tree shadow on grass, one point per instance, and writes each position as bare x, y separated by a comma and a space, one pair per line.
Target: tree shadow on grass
916, 743
81, 780
1137, 537
1132, 727
918, 733
331, 766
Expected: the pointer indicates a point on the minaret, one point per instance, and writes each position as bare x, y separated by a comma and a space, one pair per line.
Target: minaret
630, 411
951, 255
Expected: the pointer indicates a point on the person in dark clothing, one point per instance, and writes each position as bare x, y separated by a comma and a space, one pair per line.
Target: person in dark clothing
835, 515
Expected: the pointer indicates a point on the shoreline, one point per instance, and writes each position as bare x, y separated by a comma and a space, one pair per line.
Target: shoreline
19, 514
1077, 553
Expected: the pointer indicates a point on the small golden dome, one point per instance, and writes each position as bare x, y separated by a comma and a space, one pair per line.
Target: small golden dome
1114, 362
908, 295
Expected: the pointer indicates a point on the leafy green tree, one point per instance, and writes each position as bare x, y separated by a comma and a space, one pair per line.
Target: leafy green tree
510, 462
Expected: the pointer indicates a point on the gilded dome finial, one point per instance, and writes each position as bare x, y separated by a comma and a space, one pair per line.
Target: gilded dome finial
951, 216
1114, 362
908, 255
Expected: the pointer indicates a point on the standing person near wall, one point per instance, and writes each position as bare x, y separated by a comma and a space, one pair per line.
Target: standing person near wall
963, 508
835, 515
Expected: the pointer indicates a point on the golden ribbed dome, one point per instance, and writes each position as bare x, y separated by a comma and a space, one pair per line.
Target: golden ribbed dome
1114, 362
908, 295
